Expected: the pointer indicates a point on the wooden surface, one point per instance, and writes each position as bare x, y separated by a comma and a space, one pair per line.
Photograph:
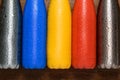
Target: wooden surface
71, 74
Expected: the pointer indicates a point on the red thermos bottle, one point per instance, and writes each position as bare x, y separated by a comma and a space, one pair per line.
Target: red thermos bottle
84, 35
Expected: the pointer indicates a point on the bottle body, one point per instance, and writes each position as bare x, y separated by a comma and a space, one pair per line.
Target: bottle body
59, 35
108, 24
10, 34
84, 35
34, 34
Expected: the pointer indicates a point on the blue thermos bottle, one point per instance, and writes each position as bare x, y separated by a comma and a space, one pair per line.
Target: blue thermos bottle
34, 35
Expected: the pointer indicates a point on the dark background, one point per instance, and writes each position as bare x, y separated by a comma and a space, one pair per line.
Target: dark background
71, 74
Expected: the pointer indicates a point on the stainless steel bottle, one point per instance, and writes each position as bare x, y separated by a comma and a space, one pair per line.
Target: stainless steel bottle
10, 34
108, 26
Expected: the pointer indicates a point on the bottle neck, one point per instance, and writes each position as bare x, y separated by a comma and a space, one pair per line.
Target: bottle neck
110, 2
79, 1
35, 1
60, 1
10, 2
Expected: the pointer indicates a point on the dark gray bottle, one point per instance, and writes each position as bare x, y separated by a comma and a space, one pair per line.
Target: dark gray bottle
108, 36
10, 34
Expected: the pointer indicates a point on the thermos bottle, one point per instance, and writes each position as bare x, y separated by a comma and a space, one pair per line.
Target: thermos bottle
108, 26
59, 35
10, 34
84, 35
34, 35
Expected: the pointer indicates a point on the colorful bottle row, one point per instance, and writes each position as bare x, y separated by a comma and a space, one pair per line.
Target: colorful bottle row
61, 38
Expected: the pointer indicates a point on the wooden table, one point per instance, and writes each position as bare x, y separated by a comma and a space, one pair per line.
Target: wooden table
70, 74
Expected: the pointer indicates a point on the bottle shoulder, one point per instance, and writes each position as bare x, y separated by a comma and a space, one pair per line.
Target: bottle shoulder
59, 7
31, 7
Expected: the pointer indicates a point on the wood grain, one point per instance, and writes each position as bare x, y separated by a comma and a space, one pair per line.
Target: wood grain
70, 74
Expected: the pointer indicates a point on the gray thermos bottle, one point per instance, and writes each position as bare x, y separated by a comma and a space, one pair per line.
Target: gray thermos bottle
10, 34
108, 36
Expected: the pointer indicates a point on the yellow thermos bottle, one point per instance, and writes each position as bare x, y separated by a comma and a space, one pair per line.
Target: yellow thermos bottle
59, 35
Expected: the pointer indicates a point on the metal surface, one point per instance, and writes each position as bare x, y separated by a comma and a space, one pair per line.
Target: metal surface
108, 24
10, 34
